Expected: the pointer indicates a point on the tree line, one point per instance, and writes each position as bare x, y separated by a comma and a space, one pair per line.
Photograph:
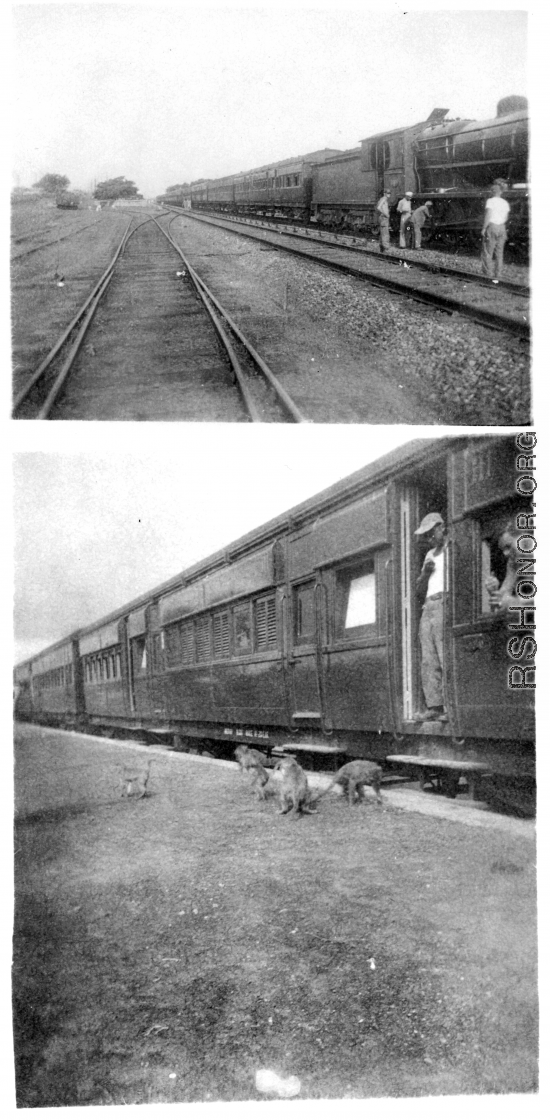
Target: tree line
110, 189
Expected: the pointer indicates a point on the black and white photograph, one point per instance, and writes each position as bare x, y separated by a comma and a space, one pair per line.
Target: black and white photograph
275, 827
271, 215
275, 774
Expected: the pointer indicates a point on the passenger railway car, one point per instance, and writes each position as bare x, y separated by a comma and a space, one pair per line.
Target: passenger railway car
450, 162
305, 631
280, 189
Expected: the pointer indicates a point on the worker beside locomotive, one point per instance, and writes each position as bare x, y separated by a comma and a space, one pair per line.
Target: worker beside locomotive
450, 163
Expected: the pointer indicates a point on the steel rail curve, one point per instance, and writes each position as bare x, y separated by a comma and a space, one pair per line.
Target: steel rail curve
447, 304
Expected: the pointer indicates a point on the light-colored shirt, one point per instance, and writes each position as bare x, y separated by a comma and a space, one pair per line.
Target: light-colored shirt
436, 582
497, 210
420, 214
404, 206
383, 207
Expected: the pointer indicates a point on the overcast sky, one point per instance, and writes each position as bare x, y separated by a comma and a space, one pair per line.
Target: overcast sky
94, 529
166, 93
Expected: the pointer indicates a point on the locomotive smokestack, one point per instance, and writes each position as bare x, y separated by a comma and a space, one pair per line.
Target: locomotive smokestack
512, 104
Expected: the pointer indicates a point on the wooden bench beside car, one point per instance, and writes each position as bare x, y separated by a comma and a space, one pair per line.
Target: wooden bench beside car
445, 771
334, 752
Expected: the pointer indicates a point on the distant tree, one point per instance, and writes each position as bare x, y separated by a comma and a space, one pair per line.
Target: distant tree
50, 184
116, 188
176, 187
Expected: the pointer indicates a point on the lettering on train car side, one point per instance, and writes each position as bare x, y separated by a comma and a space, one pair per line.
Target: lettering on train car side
246, 733
522, 646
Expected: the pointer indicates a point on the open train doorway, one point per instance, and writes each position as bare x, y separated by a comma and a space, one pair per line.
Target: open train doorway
424, 492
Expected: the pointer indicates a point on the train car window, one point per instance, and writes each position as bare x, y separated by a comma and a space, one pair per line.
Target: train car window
380, 155
242, 628
492, 561
222, 635
265, 619
156, 652
139, 656
356, 601
304, 614
172, 646
202, 634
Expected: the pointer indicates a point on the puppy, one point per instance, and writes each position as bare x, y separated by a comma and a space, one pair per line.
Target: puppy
294, 791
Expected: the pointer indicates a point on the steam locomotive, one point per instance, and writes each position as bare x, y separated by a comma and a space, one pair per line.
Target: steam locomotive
305, 630
449, 162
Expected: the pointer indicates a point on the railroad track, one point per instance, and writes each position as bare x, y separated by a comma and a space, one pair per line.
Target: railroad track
182, 357
447, 290
357, 244
49, 244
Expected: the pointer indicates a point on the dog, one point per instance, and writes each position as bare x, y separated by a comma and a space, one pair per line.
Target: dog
354, 776
294, 792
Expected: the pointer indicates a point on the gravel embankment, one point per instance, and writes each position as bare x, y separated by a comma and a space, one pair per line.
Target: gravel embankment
380, 345
471, 375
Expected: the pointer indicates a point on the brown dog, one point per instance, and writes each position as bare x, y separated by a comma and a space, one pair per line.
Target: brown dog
294, 791
354, 776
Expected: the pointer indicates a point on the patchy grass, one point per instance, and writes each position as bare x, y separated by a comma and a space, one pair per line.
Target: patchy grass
197, 933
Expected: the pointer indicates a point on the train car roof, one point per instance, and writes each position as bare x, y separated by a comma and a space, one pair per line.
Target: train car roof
409, 455
392, 131
381, 468
349, 153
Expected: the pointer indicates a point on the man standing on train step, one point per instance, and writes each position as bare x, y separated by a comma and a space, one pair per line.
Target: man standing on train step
431, 586
404, 209
383, 209
493, 232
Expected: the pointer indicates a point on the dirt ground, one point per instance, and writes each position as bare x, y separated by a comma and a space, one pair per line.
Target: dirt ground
168, 948
344, 352
49, 285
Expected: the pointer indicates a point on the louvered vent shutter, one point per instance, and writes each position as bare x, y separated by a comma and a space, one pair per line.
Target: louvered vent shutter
187, 643
203, 639
266, 624
221, 635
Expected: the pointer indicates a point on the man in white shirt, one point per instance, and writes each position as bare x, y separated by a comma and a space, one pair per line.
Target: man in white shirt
404, 209
383, 209
493, 232
431, 586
